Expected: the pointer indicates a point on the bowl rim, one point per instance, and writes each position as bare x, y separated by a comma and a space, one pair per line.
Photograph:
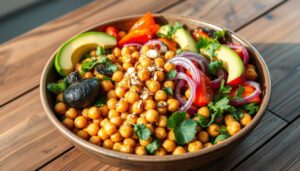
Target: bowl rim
133, 157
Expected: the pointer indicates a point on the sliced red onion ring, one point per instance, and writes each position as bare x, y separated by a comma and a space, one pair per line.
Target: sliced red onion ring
188, 65
222, 75
133, 44
192, 86
256, 93
235, 46
162, 47
202, 61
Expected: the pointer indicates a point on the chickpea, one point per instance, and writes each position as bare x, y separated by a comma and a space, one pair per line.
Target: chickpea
83, 134
60, 97
108, 144
213, 130
127, 65
78, 67
84, 113
107, 85
144, 143
179, 150
251, 74
233, 128
170, 84
135, 55
228, 119
117, 76
143, 74
116, 137
169, 145
194, 146
80, 122
169, 55
92, 129
145, 62
207, 145
138, 107
152, 116
94, 113
160, 152
159, 76
110, 128
129, 141
162, 121
68, 123
60, 108
102, 134
117, 146
124, 115
203, 136
153, 86
173, 105
169, 66
141, 120
127, 58
125, 148
246, 119
113, 113
135, 88
104, 122
120, 92
160, 95
112, 58
95, 140
125, 51
116, 121
122, 106
132, 97
204, 111
145, 49
171, 135
159, 62
111, 94
160, 133
126, 131
75, 130
150, 127
116, 52
131, 118
88, 75
104, 110
140, 150
111, 103
162, 110
71, 113
149, 104
187, 93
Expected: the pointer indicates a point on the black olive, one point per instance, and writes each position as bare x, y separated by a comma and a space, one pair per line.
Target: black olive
74, 77
82, 94
102, 69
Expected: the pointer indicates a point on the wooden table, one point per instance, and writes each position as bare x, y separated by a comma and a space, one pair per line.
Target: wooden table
28, 141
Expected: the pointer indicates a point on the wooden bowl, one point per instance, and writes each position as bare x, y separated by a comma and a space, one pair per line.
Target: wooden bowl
179, 162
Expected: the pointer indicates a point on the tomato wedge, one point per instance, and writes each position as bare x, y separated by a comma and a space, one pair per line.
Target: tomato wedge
170, 43
204, 93
112, 31
144, 22
248, 90
136, 36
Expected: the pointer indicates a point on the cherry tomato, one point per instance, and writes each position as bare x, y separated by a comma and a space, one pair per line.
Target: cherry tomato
112, 31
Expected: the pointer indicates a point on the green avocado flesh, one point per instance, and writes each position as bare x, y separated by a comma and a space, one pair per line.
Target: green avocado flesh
70, 53
185, 40
232, 63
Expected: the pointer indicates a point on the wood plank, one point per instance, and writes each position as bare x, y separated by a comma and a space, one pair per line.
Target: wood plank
268, 127
33, 49
279, 46
281, 153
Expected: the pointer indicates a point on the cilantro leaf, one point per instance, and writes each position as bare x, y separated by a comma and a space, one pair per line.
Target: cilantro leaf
142, 131
175, 27
202, 121
223, 130
221, 137
175, 119
251, 108
220, 34
153, 146
57, 87
214, 66
99, 51
88, 65
185, 132
238, 114
239, 92
224, 89
172, 74
208, 46
203, 43
111, 67
211, 48
168, 90
106, 78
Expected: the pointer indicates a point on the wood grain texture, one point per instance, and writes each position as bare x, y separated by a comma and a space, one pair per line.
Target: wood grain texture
30, 51
268, 127
279, 45
281, 153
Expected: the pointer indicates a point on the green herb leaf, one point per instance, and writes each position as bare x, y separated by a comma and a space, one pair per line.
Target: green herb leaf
179, 51
168, 90
111, 67
223, 130
202, 121
99, 51
251, 108
142, 131
221, 137
208, 46
106, 78
172, 74
203, 43
101, 101
224, 89
175, 27
239, 92
153, 146
56, 87
185, 132
238, 114
175, 119
220, 34
214, 66
88, 65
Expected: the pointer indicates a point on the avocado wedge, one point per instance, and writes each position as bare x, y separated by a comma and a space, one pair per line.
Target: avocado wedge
70, 53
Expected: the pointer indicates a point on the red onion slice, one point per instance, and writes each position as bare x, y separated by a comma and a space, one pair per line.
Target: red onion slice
188, 65
222, 75
162, 47
192, 85
202, 61
256, 93
235, 46
133, 44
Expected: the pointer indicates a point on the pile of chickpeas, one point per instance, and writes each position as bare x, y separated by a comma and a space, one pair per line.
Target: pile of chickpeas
111, 125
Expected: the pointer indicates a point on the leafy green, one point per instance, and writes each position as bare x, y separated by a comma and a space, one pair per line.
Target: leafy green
168, 90
153, 146
101, 101
175, 119
171, 32
142, 131
220, 34
214, 66
106, 78
238, 114
57, 87
251, 108
88, 65
221, 137
99, 51
179, 51
185, 132
172, 74
239, 92
224, 89
208, 46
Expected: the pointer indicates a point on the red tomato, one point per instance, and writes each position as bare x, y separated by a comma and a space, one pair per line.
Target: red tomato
144, 22
204, 93
113, 31
136, 36
248, 90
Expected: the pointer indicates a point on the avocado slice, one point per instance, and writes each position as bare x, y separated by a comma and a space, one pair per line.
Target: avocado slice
185, 40
165, 31
232, 63
72, 50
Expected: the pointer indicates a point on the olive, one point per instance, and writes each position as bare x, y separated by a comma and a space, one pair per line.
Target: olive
82, 94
